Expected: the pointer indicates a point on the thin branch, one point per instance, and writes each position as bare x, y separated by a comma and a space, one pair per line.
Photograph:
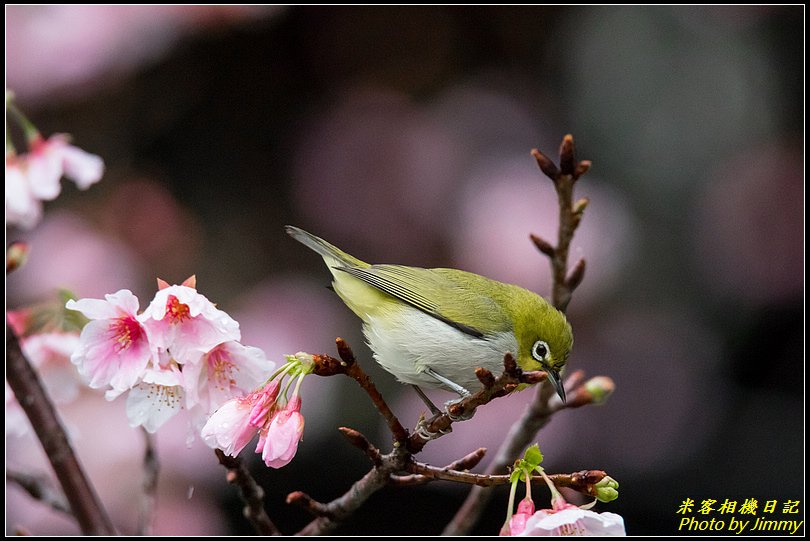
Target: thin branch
581, 481
545, 403
31, 395
361, 442
571, 213
511, 377
332, 514
250, 492
466, 462
348, 365
149, 484
40, 488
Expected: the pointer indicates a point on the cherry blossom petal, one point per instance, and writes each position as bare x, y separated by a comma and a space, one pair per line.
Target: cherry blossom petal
22, 207
281, 439
227, 371
573, 521
119, 304
184, 321
83, 168
16, 421
44, 170
518, 521
113, 347
50, 354
229, 428
155, 400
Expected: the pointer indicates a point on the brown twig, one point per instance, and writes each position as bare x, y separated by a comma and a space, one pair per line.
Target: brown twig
564, 179
361, 442
539, 412
149, 484
40, 488
583, 481
466, 462
511, 377
332, 514
31, 395
250, 492
348, 365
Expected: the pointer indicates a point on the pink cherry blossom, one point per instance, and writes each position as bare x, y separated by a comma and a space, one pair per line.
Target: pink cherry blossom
518, 521
16, 422
567, 519
233, 425
227, 371
156, 399
113, 347
51, 158
23, 208
185, 322
572, 520
279, 442
50, 353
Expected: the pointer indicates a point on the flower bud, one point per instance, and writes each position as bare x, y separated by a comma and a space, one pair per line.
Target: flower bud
607, 489
600, 388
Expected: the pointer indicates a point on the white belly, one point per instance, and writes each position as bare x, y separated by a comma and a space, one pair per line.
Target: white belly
410, 341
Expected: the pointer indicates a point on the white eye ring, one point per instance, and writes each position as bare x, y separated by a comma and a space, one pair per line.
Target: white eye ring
541, 351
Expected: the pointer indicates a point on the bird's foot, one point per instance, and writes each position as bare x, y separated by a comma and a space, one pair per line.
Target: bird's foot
422, 431
448, 407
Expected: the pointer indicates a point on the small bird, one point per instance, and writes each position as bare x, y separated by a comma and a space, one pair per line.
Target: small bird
433, 327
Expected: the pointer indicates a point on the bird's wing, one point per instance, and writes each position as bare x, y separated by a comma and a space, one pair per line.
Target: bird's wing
437, 294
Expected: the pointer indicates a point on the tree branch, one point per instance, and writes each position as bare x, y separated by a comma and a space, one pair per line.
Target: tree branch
149, 484
581, 481
31, 395
511, 377
571, 213
250, 492
332, 514
467, 462
545, 403
40, 488
348, 365
361, 442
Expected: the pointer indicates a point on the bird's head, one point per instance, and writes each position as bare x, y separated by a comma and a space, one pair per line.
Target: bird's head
544, 338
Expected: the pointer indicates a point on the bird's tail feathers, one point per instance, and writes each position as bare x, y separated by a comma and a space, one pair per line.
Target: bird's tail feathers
333, 255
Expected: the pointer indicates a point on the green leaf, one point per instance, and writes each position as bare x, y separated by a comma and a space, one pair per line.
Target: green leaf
533, 457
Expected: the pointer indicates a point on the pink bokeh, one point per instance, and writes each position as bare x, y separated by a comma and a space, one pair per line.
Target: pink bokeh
68, 50
504, 201
68, 252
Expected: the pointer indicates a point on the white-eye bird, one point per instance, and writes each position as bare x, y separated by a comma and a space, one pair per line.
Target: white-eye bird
433, 327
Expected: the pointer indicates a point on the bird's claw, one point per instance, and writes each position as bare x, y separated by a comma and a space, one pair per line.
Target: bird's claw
422, 431
456, 418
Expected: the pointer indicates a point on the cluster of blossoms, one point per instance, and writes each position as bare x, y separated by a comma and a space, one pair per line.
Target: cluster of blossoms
34, 176
48, 336
180, 353
267, 411
563, 518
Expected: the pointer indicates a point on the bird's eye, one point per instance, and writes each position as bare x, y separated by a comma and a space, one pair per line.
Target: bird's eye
540, 351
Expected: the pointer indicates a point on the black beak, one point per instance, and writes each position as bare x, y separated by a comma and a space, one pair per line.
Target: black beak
554, 378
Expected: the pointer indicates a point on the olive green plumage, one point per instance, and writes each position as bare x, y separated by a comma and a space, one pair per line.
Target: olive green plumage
431, 326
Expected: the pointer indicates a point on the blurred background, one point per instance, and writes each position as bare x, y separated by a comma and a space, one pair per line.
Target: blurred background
402, 134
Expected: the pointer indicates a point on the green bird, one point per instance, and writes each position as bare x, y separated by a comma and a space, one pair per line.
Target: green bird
432, 328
